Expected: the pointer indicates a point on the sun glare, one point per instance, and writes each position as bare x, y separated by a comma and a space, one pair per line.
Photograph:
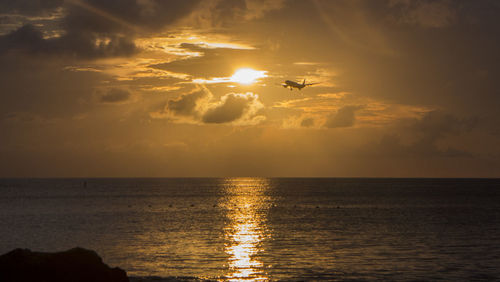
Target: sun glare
247, 76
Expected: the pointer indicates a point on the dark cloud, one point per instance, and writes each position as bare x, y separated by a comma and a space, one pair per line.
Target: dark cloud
24, 117
307, 122
43, 87
159, 13
392, 146
345, 117
115, 95
187, 104
226, 10
427, 13
94, 29
225, 13
102, 17
436, 124
28, 7
125, 15
200, 107
28, 39
428, 137
232, 107
453, 58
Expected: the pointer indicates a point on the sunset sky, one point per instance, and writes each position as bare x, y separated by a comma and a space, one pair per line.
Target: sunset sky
152, 88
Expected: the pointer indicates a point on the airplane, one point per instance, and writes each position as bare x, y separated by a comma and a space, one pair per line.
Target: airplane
292, 84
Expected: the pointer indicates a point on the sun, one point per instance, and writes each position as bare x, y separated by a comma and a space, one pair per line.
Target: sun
247, 76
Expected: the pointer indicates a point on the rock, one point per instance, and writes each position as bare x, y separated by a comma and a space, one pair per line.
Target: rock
75, 265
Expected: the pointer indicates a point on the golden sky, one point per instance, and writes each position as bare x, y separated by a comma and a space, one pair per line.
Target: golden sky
153, 88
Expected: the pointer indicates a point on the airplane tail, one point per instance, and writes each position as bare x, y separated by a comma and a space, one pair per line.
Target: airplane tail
304, 82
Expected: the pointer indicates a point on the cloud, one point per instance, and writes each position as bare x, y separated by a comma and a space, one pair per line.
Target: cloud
345, 117
337, 109
392, 146
177, 145
258, 8
126, 16
200, 106
437, 124
30, 40
94, 29
25, 38
427, 14
42, 13
45, 87
234, 107
28, 7
427, 137
223, 13
307, 122
202, 66
115, 95
26, 118
188, 104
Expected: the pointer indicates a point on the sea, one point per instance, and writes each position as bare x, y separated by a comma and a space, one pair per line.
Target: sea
264, 229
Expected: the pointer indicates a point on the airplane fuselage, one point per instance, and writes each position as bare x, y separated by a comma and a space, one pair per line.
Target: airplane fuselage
292, 84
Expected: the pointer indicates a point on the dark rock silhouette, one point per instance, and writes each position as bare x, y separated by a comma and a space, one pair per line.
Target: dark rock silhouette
75, 265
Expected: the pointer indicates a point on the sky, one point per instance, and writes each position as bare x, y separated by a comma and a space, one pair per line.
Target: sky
187, 88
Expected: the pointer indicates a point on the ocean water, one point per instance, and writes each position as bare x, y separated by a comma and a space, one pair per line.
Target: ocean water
259, 229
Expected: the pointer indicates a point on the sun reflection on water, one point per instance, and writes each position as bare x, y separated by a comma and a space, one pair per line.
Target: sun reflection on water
246, 203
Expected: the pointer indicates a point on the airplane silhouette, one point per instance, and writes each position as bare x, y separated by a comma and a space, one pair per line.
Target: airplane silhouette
292, 84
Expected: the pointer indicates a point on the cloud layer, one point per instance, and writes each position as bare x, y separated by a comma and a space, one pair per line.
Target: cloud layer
93, 29
200, 107
344, 117
115, 95
405, 88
